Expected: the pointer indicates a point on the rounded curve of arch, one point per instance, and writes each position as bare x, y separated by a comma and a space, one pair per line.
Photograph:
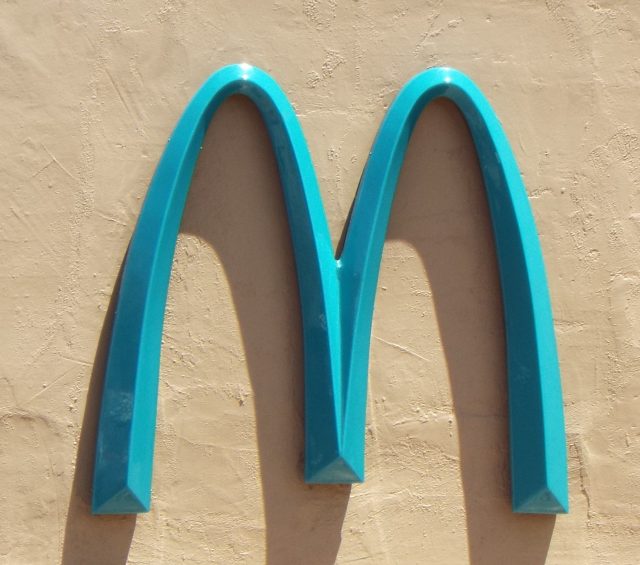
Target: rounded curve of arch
336, 295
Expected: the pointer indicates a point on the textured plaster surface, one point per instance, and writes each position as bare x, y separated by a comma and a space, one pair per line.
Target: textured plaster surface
89, 94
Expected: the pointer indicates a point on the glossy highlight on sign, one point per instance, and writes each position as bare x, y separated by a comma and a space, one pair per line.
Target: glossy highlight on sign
336, 294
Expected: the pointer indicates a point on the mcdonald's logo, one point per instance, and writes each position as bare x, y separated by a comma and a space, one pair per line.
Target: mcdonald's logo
336, 294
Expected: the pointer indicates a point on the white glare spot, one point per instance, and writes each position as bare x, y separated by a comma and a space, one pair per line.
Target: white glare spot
245, 68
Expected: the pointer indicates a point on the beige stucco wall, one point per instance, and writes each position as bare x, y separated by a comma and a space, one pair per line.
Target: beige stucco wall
89, 94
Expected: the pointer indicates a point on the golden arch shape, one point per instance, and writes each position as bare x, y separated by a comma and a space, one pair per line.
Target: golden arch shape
337, 295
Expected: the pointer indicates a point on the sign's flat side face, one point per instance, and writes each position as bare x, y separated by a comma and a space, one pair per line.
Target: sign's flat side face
336, 295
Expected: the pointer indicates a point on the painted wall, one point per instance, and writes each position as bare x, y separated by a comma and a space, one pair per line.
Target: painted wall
90, 91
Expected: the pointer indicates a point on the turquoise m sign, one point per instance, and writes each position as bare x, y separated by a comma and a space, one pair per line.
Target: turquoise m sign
336, 293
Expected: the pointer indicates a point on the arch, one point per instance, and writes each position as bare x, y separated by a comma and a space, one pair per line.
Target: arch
336, 295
